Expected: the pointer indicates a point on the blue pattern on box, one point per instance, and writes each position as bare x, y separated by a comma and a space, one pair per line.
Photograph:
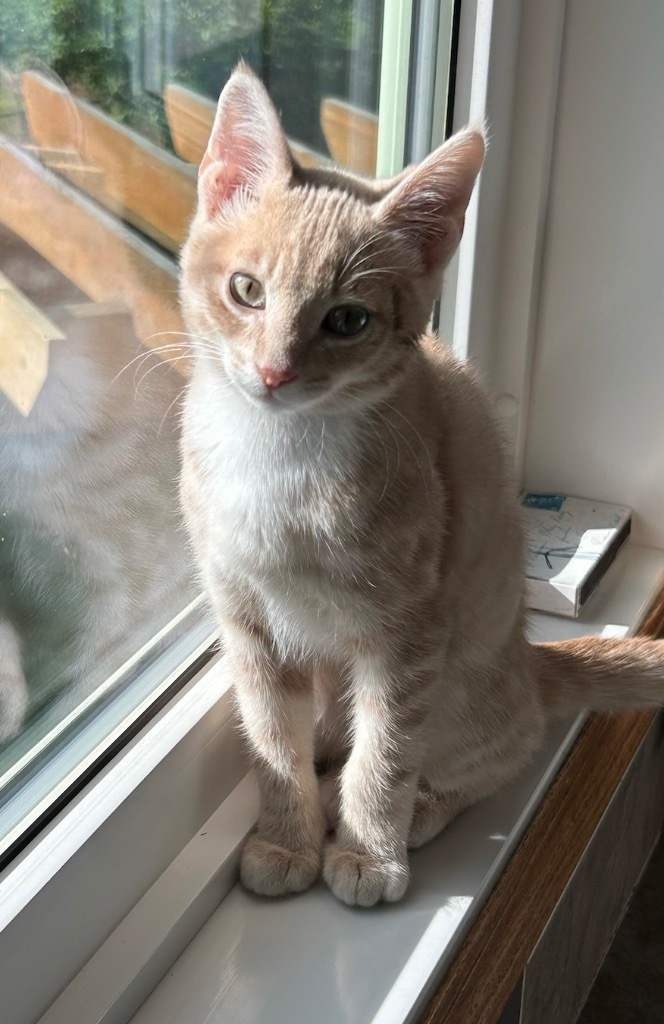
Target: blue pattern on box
548, 502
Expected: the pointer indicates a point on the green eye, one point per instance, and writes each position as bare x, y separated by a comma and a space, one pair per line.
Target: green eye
345, 321
247, 291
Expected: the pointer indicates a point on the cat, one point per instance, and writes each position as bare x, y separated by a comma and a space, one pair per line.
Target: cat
93, 560
354, 514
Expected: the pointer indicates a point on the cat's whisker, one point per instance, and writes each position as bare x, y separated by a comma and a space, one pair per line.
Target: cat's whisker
376, 434
176, 347
352, 265
145, 355
356, 264
307, 423
148, 352
160, 362
173, 361
425, 477
360, 249
375, 272
177, 398
178, 334
416, 432
187, 342
375, 254
394, 437
322, 438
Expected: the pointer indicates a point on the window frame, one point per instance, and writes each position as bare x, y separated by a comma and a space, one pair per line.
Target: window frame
104, 851
507, 79
194, 738
78, 745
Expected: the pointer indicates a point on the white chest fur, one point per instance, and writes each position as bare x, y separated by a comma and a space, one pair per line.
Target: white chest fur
281, 514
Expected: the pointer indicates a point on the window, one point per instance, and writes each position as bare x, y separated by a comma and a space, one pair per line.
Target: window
105, 110
110, 861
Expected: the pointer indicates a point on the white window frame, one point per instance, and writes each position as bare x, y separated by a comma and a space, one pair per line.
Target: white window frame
109, 845
75, 883
510, 84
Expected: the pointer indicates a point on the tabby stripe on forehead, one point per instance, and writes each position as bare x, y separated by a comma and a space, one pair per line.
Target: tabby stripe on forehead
318, 215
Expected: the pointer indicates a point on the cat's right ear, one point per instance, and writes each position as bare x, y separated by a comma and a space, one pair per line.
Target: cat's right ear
247, 146
427, 203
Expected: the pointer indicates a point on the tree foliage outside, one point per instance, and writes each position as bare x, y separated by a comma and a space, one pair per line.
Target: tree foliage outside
120, 54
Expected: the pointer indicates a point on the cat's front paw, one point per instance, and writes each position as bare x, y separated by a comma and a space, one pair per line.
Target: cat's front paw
272, 870
362, 879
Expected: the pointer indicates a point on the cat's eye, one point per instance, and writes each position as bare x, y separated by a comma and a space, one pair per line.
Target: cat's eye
345, 321
247, 291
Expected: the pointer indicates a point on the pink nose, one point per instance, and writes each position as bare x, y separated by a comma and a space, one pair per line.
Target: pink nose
273, 378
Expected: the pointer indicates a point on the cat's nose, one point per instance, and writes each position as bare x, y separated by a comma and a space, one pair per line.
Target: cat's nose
273, 378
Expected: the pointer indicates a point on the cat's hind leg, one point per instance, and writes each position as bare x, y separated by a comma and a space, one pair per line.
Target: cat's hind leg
432, 811
435, 809
477, 748
13, 687
445, 794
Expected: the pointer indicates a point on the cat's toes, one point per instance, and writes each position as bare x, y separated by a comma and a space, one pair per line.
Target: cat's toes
426, 824
360, 879
272, 870
433, 811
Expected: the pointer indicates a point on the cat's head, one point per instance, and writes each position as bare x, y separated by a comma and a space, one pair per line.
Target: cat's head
311, 286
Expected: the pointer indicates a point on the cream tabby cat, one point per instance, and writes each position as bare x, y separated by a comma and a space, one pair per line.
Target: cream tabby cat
354, 514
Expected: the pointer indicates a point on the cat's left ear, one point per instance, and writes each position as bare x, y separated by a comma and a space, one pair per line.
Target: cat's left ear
428, 203
247, 147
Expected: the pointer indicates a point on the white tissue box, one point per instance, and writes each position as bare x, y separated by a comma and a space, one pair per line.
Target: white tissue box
571, 544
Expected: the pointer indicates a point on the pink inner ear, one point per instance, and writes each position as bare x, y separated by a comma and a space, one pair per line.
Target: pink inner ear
437, 247
218, 183
429, 203
225, 167
431, 218
247, 147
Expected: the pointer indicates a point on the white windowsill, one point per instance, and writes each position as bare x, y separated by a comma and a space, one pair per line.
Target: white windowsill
309, 957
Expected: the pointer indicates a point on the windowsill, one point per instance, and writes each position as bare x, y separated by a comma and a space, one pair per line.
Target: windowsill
258, 960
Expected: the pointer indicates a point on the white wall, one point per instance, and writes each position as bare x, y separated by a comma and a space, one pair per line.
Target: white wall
597, 403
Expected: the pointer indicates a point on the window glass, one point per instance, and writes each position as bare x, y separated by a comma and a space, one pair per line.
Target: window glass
105, 110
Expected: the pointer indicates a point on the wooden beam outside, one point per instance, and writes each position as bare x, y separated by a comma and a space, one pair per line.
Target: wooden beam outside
140, 181
351, 135
190, 118
25, 338
89, 246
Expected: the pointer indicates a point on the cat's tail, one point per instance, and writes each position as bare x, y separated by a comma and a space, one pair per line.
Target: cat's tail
600, 674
